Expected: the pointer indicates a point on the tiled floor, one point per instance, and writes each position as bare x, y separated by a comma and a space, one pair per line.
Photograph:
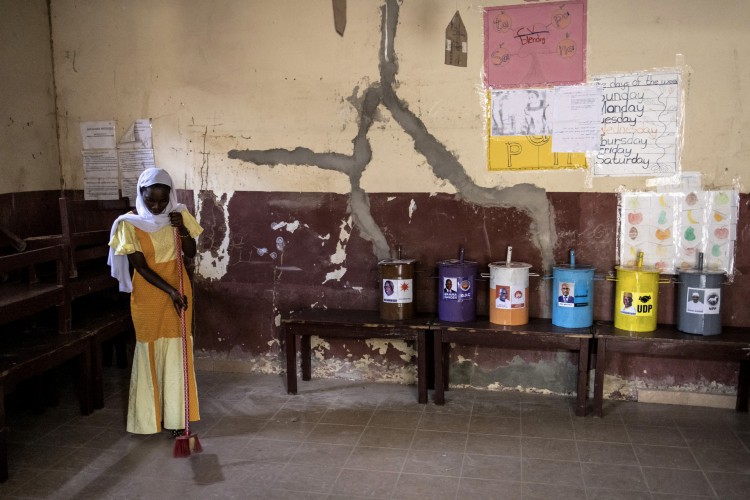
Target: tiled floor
340, 439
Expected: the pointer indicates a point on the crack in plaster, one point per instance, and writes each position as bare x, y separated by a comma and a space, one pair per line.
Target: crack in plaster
525, 197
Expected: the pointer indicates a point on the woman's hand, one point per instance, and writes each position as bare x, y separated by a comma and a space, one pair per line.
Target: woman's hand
175, 220
180, 302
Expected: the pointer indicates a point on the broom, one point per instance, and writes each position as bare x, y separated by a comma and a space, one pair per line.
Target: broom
186, 443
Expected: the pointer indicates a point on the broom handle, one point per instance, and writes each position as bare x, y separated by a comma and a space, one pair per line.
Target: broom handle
178, 249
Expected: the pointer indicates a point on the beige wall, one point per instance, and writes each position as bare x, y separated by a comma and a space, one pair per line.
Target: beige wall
223, 75
28, 139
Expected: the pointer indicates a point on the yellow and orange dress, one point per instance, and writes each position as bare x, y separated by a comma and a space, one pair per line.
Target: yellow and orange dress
157, 381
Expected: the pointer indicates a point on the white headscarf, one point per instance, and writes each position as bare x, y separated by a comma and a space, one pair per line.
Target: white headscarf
143, 219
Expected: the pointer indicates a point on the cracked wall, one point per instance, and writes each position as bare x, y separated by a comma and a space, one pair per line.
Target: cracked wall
312, 156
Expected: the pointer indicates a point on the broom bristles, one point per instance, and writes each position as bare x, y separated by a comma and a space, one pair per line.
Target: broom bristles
181, 447
186, 444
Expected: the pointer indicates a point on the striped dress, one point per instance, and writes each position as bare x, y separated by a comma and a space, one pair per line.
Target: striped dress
157, 382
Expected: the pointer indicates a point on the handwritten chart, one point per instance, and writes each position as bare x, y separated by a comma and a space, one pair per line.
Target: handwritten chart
535, 45
641, 122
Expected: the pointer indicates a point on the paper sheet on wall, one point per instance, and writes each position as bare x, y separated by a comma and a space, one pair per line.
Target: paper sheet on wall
100, 189
673, 228
641, 122
520, 129
535, 45
98, 135
101, 163
129, 189
576, 118
135, 161
138, 136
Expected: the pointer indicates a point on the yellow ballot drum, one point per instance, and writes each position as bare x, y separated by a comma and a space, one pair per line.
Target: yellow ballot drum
636, 298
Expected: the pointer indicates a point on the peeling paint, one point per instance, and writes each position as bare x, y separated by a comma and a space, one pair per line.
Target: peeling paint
277, 320
407, 352
290, 226
412, 209
344, 234
335, 275
212, 263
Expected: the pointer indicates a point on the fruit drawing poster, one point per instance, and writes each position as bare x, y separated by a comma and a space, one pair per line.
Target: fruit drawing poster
641, 124
535, 45
672, 229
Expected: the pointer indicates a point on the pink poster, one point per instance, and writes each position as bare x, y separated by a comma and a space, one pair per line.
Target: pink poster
535, 45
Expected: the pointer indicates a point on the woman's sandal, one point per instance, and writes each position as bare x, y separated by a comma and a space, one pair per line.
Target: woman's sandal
177, 432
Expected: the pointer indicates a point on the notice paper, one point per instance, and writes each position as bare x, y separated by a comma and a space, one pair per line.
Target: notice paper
576, 119
138, 135
98, 135
100, 189
135, 161
101, 163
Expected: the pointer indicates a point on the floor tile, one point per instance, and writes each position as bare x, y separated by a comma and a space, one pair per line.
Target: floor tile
336, 434
395, 419
383, 437
606, 453
730, 486
440, 441
656, 436
438, 463
483, 489
494, 444
447, 422
361, 483
492, 467
676, 482
549, 449
718, 460
673, 457
411, 486
490, 424
556, 472
324, 454
378, 459
615, 477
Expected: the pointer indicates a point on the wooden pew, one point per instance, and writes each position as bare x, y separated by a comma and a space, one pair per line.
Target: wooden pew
28, 354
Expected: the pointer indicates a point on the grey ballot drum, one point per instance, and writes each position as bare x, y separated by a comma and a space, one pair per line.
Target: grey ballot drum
699, 301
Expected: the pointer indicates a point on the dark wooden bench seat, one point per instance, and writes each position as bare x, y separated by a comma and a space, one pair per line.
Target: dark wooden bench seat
732, 345
351, 324
27, 293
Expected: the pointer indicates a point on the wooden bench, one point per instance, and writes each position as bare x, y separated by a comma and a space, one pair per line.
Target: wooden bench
732, 345
23, 296
350, 324
538, 335
29, 353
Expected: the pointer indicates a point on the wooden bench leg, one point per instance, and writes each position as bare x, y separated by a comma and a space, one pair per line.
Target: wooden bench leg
291, 361
85, 381
422, 366
439, 395
743, 386
306, 354
97, 374
599, 377
583, 372
3, 438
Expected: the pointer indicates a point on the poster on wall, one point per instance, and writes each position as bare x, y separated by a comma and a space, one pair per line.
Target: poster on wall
672, 229
520, 130
535, 45
641, 124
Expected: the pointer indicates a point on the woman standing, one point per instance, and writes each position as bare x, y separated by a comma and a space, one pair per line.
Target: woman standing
146, 240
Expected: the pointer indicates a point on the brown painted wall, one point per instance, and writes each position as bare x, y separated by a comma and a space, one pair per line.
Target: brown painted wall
238, 314
240, 309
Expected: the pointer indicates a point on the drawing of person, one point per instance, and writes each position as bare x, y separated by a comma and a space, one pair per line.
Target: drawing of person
627, 304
